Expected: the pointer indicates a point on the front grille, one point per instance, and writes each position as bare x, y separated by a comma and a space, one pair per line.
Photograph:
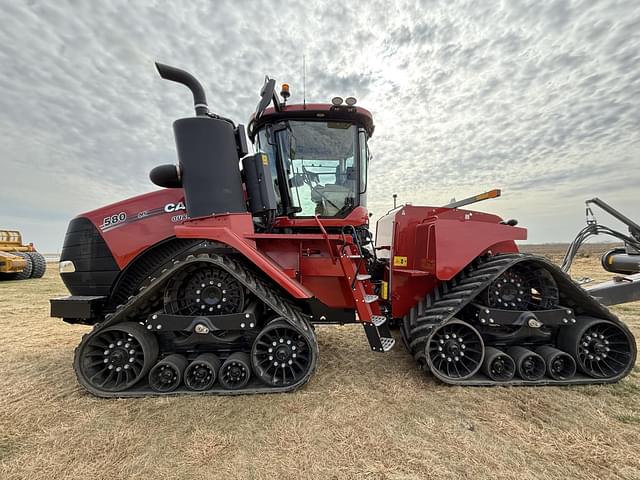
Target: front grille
96, 270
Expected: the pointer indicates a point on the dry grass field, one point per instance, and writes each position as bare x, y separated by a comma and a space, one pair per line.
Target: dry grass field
363, 415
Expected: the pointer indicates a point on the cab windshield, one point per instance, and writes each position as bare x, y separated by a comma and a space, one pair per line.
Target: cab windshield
318, 160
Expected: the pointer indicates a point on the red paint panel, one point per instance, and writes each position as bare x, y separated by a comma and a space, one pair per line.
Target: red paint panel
459, 242
359, 216
146, 223
439, 243
229, 229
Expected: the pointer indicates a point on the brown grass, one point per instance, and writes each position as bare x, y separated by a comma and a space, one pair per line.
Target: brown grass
363, 415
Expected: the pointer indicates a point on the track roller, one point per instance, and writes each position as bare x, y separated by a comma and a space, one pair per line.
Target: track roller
455, 351
235, 371
529, 365
202, 373
497, 365
601, 348
166, 376
560, 365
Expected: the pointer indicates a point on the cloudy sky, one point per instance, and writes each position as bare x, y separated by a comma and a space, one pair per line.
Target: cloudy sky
540, 99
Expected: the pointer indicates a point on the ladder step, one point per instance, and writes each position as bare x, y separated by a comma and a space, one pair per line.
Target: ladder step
370, 298
378, 320
387, 343
361, 277
354, 256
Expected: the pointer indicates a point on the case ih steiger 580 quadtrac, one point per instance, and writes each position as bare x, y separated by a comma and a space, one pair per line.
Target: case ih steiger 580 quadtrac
213, 283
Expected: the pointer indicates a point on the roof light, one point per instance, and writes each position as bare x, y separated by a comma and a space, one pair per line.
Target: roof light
284, 93
351, 101
337, 101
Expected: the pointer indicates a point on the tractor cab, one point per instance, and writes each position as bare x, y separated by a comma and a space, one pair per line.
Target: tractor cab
317, 154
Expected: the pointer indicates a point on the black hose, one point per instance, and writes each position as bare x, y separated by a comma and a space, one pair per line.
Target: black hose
590, 231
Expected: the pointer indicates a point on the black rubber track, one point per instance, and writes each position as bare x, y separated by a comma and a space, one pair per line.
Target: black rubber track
39, 264
442, 305
139, 306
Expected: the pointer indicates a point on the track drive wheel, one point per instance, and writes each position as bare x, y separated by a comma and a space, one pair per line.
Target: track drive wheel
281, 355
115, 358
523, 287
455, 351
601, 348
204, 290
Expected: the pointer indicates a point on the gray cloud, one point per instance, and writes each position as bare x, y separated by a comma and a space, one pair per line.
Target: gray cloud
538, 98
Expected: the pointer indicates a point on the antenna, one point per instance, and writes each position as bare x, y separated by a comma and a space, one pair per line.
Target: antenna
304, 81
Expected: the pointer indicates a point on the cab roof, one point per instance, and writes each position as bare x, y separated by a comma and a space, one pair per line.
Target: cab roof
314, 111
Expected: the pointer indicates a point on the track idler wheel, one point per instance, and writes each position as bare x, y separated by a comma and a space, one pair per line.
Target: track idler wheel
116, 358
601, 348
235, 371
497, 365
560, 365
529, 365
281, 355
166, 376
202, 373
454, 351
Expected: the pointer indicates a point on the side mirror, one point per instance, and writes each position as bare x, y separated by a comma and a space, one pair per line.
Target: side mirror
266, 95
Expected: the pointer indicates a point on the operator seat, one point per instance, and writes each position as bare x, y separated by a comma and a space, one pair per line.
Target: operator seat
331, 198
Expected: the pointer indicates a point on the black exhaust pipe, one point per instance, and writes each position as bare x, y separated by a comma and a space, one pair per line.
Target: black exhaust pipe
185, 78
208, 163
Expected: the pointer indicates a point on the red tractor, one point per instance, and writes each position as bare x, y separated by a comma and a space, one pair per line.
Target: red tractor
213, 283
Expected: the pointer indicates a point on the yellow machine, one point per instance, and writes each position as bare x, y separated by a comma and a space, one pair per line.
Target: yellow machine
19, 261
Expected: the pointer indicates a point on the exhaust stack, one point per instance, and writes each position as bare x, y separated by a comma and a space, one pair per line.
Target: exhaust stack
185, 78
208, 162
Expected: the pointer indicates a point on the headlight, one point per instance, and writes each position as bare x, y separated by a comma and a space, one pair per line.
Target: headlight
66, 266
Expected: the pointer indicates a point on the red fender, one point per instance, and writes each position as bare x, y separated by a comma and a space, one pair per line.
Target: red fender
232, 230
458, 243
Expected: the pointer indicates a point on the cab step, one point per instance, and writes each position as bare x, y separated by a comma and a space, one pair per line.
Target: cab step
361, 277
370, 298
387, 343
379, 334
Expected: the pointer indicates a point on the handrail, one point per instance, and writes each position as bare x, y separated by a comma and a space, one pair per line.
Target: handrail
326, 238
